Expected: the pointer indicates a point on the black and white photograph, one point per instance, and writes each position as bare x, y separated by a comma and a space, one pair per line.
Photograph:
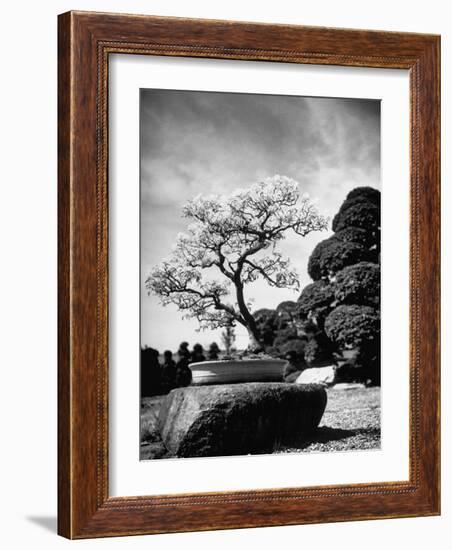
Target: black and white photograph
224, 236
260, 274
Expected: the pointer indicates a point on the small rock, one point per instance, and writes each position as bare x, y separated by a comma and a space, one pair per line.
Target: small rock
323, 375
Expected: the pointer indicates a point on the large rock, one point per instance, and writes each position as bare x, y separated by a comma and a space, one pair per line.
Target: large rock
237, 419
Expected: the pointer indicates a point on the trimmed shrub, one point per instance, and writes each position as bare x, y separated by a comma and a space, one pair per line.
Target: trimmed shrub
358, 284
288, 306
364, 215
366, 193
272, 351
183, 374
183, 350
351, 326
332, 255
357, 235
369, 360
150, 373
266, 322
213, 352
295, 346
284, 335
316, 295
286, 314
197, 355
319, 350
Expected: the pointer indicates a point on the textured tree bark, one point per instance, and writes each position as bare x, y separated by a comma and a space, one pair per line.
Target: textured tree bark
249, 322
254, 344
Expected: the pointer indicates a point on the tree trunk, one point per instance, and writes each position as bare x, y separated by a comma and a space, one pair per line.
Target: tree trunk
253, 345
249, 322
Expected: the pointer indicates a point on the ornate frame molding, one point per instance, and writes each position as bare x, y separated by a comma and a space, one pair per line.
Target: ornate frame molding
85, 42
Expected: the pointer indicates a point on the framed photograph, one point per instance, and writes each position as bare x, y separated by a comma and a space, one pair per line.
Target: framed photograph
249, 260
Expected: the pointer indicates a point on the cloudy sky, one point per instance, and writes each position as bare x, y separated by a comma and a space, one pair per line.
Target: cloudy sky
206, 142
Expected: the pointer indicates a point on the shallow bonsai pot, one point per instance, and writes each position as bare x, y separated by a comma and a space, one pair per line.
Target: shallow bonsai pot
235, 371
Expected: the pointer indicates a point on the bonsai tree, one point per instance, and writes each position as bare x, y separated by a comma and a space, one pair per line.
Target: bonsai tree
235, 238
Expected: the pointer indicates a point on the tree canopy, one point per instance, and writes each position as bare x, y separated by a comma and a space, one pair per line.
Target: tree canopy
234, 237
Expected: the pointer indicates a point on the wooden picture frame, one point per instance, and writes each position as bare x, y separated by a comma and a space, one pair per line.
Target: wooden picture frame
85, 42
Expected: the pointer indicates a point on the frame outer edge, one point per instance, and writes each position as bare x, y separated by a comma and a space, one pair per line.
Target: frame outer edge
82, 510
64, 293
431, 248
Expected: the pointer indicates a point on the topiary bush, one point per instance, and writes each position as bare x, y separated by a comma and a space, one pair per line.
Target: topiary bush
364, 367
357, 235
362, 214
272, 351
287, 307
358, 284
150, 373
214, 351
332, 255
319, 351
284, 335
287, 314
267, 324
366, 193
296, 346
340, 310
316, 295
351, 326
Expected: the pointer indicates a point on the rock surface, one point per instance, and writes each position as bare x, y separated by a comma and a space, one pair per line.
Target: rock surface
237, 419
323, 375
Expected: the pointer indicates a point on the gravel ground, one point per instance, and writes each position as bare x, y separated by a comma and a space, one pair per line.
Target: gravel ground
351, 422
151, 444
